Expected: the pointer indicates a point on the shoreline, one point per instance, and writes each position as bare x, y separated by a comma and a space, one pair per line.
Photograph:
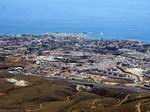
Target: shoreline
87, 35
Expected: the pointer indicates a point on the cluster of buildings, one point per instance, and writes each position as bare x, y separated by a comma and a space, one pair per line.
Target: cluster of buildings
71, 56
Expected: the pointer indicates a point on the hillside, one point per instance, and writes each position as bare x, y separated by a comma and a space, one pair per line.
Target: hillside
42, 95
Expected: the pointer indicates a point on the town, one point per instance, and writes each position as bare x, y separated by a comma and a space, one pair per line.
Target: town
75, 58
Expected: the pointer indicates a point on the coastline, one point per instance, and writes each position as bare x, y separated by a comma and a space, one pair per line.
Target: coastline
87, 35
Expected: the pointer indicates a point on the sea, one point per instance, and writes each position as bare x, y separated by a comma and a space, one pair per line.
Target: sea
119, 19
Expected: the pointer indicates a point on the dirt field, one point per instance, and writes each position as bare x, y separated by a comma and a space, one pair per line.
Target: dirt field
43, 95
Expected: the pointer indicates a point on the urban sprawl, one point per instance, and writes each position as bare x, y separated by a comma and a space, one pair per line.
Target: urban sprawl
75, 58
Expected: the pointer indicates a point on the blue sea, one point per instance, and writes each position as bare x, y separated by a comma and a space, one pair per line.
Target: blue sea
128, 19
